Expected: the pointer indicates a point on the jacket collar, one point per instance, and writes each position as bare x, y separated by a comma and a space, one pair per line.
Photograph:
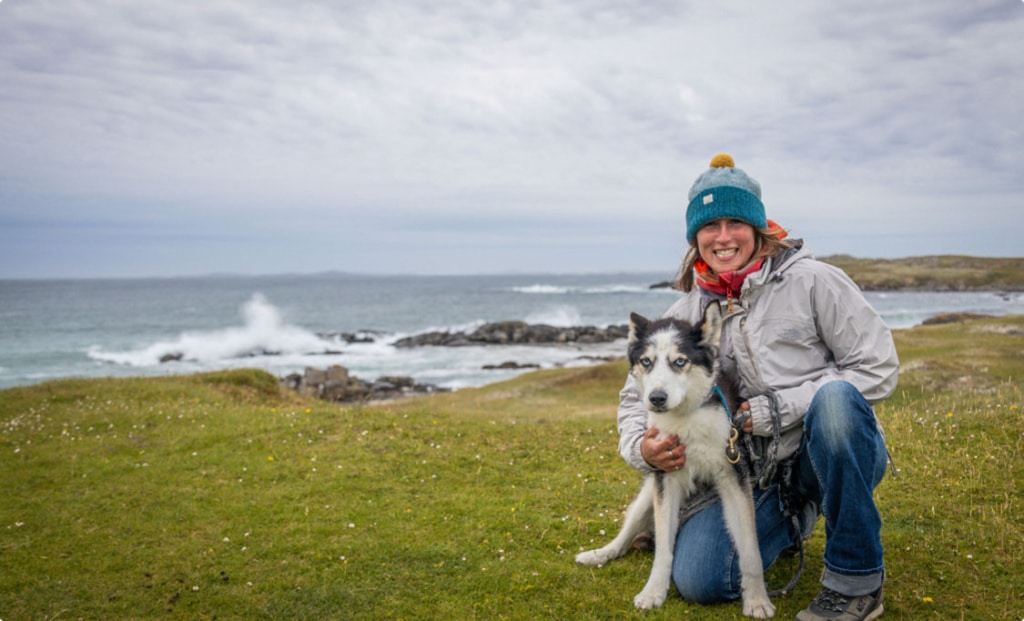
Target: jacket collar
780, 263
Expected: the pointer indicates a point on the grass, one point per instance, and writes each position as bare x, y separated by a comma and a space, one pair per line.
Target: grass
217, 496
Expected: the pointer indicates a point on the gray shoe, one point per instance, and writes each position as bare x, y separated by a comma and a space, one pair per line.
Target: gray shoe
832, 606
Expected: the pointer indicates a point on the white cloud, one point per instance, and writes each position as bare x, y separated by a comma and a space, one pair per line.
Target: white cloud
258, 121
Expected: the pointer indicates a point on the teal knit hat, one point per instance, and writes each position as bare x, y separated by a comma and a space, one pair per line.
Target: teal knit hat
724, 191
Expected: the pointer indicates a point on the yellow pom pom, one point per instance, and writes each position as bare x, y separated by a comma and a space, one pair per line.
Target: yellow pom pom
722, 160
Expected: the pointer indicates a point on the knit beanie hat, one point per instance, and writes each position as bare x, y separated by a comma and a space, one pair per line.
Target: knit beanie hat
724, 191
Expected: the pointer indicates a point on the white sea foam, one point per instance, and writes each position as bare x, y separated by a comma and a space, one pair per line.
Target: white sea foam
606, 289
564, 316
543, 289
263, 332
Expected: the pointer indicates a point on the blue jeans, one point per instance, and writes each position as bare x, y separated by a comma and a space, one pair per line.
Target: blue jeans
840, 462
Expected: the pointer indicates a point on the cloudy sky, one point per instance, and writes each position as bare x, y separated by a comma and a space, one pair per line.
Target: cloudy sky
458, 136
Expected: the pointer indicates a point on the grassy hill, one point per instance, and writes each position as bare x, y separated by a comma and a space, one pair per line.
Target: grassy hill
219, 496
934, 273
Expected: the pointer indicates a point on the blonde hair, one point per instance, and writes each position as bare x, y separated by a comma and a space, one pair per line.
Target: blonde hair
767, 243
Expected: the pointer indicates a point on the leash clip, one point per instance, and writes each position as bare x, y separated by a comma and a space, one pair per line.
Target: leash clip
732, 454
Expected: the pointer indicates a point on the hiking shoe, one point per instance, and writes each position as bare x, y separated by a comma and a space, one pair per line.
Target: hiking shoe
832, 606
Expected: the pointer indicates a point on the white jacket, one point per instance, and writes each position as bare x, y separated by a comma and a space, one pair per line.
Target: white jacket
799, 323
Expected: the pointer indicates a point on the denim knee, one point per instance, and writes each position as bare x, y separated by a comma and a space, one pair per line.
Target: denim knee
701, 581
835, 414
840, 426
703, 559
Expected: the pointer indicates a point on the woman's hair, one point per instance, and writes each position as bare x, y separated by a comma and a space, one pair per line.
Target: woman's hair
767, 243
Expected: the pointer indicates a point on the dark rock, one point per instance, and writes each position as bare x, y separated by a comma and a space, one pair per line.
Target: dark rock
399, 381
335, 384
172, 357
256, 353
510, 364
363, 336
292, 381
516, 333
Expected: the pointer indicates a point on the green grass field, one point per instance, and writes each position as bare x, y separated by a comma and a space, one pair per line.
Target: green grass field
218, 496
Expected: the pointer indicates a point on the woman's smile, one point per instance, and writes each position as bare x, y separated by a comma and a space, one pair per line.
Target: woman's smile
726, 245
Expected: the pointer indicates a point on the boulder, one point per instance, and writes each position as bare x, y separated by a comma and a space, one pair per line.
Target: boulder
337, 385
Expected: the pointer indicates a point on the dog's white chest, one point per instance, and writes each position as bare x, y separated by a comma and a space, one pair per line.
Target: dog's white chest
705, 434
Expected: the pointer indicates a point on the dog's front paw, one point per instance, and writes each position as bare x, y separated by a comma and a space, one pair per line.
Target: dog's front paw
650, 598
758, 608
592, 558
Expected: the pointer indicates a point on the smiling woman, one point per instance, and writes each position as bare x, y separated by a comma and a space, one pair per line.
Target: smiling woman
808, 357
728, 231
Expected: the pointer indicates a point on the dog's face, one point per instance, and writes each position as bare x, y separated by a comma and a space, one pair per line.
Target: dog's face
674, 362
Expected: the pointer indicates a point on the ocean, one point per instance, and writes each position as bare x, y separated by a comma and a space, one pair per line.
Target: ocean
53, 329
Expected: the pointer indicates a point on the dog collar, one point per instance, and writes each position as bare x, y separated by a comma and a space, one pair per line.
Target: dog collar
717, 392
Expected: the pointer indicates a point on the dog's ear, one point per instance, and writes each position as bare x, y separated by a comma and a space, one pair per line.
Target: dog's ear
637, 327
711, 326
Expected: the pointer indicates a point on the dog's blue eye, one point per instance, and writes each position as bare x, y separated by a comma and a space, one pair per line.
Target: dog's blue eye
680, 362
645, 363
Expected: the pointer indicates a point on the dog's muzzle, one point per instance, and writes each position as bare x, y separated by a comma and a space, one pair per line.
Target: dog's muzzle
658, 399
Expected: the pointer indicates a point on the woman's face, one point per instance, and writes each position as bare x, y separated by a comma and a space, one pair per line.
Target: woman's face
726, 245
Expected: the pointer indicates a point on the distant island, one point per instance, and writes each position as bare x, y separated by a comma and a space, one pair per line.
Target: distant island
933, 273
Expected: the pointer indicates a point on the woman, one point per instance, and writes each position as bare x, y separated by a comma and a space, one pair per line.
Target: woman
809, 357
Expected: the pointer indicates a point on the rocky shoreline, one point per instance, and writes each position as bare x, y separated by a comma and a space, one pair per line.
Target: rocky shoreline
499, 333
337, 385
516, 333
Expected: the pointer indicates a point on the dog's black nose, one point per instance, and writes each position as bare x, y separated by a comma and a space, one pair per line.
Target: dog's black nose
658, 398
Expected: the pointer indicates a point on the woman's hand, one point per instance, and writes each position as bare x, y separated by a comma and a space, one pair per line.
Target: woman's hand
666, 454
748, 425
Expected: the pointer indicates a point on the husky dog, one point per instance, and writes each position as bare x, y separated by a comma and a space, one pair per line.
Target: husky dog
675, 365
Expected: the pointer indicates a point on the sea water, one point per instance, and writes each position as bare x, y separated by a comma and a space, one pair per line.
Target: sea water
128, 327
